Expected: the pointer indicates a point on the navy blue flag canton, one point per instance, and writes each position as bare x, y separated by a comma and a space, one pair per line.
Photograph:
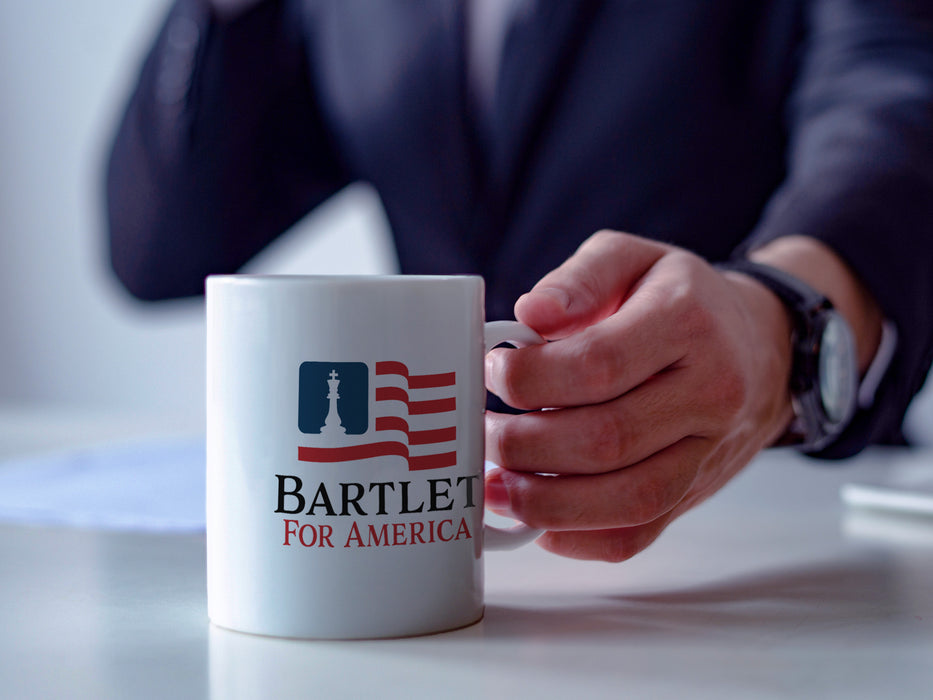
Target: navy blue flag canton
315, 396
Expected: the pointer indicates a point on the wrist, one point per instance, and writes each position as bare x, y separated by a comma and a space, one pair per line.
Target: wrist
818, 266
771, 333
824, 372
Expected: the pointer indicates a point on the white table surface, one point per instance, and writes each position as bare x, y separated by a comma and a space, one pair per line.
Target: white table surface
772, 589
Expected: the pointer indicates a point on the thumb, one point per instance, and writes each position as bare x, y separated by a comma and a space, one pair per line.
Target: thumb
590, 285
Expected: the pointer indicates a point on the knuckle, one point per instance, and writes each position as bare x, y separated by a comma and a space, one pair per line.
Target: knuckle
599, 362
507, 442
648, 506
588, 287
507, 379
625, 543
682, 299
613, 547
699, 322
618, 548
542, 502
685, 278
522, 500
655, 498
588, 282
610, 240
604, 237
729, 393
606, 439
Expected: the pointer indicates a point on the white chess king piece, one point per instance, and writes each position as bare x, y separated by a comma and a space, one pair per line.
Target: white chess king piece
332, 424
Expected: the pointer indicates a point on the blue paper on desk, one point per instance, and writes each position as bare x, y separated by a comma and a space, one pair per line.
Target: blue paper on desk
153, 486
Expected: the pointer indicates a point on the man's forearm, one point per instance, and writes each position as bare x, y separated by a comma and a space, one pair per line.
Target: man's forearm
200, 183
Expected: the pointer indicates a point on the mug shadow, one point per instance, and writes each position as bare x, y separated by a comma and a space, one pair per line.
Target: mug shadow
551, 635
821, 597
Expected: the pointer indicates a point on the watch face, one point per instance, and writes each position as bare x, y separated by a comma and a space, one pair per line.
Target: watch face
837, 370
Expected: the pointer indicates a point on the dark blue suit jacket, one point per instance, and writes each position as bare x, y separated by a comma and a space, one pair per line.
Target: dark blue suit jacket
711, 124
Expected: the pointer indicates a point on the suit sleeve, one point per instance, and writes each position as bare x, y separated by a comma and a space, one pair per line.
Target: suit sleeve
221, 148
860, 177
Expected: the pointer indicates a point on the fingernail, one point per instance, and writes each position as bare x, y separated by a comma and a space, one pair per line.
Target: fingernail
497, 495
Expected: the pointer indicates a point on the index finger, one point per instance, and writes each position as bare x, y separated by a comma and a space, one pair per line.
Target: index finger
590, 285
595, 365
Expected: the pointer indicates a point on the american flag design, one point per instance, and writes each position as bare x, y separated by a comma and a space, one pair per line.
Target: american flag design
414, 415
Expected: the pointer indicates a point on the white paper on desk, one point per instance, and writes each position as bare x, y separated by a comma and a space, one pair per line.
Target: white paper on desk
142, 486
900, 483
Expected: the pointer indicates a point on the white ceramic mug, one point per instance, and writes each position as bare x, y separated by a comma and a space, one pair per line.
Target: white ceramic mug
345, 453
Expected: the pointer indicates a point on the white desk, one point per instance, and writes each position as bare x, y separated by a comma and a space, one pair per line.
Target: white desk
770, 590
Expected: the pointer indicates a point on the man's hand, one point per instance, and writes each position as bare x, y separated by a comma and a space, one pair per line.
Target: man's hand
665, 378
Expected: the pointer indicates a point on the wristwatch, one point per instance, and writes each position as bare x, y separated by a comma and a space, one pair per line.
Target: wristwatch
824, 370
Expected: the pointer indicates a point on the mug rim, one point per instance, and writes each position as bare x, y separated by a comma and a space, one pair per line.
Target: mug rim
265, 279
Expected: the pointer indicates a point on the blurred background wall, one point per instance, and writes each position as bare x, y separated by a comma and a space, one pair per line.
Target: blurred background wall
70, 338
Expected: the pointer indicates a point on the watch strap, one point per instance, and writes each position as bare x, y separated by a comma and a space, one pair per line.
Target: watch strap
799, 298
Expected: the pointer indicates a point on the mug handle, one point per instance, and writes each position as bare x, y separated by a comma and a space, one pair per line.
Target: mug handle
520, 335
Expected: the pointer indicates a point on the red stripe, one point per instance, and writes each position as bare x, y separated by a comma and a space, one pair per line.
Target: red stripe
391, 423
429, 381
420, 408
351, 453
391, 368
378, 449
417, 381
391, 393
429, 437
419, 462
